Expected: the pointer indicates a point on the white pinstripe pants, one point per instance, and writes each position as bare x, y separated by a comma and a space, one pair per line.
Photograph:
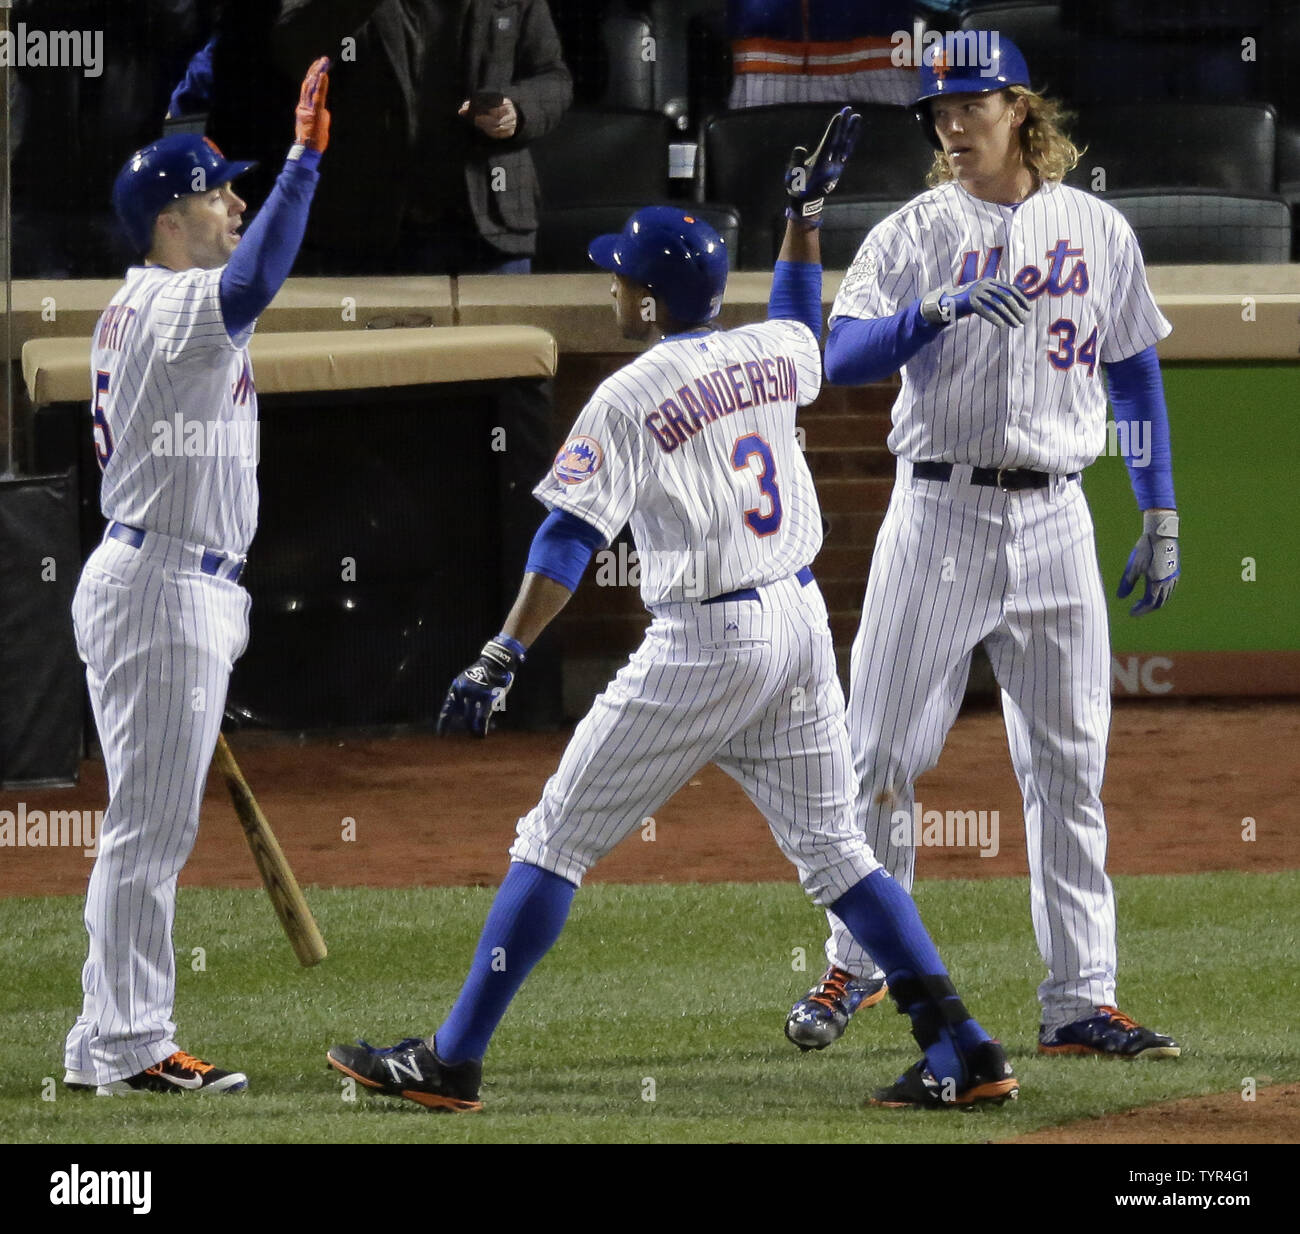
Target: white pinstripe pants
749, 685
956, 564
159, 639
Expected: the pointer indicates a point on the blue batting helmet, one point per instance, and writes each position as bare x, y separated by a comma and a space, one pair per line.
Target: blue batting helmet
958, 65
160, 173
674, 253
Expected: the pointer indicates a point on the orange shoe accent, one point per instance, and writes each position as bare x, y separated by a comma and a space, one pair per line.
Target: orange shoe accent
832, 988
995, 1092
360, 1079
188, 1061
1124, 1021
873, 999
430, 1101
449, 1105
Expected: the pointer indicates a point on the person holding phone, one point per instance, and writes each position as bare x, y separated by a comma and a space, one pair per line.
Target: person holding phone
443, 99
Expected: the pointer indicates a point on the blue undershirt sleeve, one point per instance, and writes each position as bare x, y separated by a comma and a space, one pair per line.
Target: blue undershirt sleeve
862, 350
1137, 396
797, 294
562, 548
194, 94
262, 261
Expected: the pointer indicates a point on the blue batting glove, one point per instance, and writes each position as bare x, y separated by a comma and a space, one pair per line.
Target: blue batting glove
480, 691
810, 177
1155, 560
1001, 303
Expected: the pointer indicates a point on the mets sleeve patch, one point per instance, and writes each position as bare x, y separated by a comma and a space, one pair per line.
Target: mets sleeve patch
579, 459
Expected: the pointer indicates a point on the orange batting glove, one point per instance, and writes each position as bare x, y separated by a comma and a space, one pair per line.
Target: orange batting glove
311, 119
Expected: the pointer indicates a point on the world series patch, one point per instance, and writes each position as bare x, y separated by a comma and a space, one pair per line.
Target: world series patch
578, 460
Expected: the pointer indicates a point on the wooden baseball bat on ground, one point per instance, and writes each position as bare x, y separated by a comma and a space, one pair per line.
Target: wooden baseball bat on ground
281, 886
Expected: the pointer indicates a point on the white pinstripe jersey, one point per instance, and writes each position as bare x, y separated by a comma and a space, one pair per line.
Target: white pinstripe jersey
993, 397
175, 411
693, 444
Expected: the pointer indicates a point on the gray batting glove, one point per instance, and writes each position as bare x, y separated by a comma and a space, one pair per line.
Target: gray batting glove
1001, 303
1155, 559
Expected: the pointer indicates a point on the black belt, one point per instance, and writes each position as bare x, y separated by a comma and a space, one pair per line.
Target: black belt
1008, 479
805, 576
211, 562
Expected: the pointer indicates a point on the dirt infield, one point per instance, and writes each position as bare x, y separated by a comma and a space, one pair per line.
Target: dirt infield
1217, 1118
1184, 782
1183, 778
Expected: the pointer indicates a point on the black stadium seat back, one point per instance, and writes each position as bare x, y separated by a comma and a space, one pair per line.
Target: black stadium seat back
845, 223
564, 234
691, 57
745, 153
1049, 48
1187, 227
625, 32
1226, 146
603, 155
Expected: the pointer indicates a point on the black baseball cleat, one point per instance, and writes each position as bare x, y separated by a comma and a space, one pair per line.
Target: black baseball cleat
412, 1070
989, 1081
179, 1073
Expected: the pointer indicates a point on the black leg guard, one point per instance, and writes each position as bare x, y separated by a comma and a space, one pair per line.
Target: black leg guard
930, 1003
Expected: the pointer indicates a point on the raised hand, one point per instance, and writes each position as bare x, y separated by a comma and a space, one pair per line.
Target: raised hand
311, 118
810, 177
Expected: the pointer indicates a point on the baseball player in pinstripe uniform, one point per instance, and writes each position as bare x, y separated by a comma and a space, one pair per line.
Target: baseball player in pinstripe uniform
693, 444
159, 614
1002, 295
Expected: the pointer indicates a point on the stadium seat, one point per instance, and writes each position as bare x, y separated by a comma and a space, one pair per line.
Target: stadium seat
598, 156
1188, 226
1288, 171
564, 234
845, 223
745, 152
630, 82
1037, 30
1227, 146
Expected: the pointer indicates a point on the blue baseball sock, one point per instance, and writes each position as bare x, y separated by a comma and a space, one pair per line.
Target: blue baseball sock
883, 918
523, 923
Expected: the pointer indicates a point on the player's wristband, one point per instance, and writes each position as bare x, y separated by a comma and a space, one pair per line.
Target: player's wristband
937, 307
807, 212
512, 645
298, 153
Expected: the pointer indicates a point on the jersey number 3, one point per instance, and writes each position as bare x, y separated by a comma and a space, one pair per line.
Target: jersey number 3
760, 523
103, 434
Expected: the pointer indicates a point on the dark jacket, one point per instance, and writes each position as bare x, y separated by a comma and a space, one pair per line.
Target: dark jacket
508, 46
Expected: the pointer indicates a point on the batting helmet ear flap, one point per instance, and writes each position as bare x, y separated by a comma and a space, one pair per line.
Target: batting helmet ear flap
922, 113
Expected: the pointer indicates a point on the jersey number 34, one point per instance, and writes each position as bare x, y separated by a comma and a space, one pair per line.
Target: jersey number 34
1065, 354
760, 522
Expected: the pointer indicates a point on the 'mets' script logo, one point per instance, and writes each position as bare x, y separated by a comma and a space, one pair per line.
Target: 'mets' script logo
1065, 275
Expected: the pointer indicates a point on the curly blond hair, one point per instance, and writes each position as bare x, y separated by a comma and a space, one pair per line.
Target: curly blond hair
1047, 151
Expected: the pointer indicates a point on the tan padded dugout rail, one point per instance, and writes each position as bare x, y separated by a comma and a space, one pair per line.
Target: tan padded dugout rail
1211, 307
58, 370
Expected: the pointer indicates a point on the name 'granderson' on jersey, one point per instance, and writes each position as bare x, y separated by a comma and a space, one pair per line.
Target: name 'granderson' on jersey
719, 393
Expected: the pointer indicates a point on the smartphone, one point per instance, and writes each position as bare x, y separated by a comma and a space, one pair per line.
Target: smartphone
485, 101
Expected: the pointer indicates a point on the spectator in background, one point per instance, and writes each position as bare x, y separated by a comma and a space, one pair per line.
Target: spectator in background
438, 101
817, 51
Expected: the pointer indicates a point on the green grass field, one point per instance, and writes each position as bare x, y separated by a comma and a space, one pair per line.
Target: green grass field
685, 986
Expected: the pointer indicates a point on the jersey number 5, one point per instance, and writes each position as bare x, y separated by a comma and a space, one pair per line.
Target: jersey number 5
760, 523
103, 434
